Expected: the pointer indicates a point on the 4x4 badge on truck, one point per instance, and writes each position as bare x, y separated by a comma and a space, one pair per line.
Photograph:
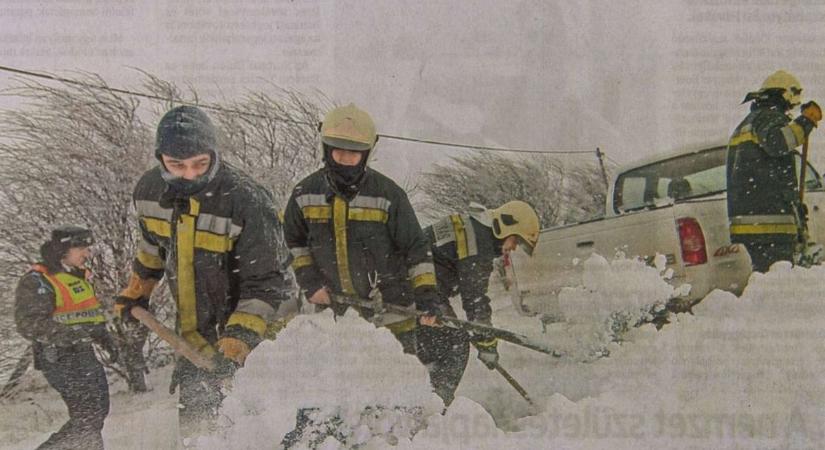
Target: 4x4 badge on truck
726, 250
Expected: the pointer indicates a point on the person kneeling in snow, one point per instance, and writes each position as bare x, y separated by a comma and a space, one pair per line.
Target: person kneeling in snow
352, 232
56, 308
464, 247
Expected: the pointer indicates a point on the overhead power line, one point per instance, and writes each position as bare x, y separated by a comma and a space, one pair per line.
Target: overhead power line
482, 147
221, 109
141, 94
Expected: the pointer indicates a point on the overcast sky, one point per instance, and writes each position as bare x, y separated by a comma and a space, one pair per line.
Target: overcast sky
631, 77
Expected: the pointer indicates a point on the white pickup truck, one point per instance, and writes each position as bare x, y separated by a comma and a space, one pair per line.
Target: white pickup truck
671, 205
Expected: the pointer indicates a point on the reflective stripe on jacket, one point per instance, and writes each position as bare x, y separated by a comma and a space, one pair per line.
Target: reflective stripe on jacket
762, 188
75, 300
463, 252
221, 250
340, 244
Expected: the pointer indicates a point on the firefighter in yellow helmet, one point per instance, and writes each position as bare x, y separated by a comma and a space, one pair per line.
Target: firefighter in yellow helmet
464, 247
57, 310
765, 212
352, 231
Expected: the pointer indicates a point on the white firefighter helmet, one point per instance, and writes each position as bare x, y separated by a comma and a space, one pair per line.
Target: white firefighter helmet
349, 128
790, 86
517, 218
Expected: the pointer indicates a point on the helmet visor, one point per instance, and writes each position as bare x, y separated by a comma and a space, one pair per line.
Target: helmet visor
346, 144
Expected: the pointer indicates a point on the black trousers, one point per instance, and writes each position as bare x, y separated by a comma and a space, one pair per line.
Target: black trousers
80, 379
200, 397
766, 249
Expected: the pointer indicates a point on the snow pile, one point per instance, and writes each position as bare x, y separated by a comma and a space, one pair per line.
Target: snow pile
740, 373
618, 286
344, 373
466, 424
613, 297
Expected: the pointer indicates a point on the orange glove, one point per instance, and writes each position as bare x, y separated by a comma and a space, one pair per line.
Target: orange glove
812, 111
136, 293
233, 349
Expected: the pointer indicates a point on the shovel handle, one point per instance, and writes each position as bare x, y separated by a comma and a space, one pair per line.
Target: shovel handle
802, 170
177, 343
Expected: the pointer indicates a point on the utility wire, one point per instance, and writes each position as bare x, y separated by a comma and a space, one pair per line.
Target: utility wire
220, 109
143, 94
482, 147
612, 160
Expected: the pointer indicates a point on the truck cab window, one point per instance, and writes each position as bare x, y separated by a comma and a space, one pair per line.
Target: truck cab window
675, 179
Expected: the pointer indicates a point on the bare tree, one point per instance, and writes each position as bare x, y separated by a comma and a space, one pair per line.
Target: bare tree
559, 192
73, 151
273, 137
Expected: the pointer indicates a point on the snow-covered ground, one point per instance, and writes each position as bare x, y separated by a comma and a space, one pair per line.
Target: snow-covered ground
740, 373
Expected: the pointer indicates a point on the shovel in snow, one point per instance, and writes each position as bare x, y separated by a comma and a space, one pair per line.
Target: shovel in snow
512, 381
504, 335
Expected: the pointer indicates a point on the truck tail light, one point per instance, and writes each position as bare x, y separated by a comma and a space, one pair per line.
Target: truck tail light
692, 240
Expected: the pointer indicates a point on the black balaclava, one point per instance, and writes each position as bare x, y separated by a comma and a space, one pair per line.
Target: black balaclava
184, 132
344, 180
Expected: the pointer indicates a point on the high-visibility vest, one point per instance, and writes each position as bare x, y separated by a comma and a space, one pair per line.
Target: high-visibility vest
75, 299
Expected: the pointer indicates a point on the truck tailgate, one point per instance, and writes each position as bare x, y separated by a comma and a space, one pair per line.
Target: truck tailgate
556, 261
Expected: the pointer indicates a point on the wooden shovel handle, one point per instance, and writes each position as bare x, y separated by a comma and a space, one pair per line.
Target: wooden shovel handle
177, 343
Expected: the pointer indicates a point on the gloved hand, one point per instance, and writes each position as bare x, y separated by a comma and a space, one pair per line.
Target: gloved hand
812, 112
233, 349
224, 367
435, 312
123, 306
487, 350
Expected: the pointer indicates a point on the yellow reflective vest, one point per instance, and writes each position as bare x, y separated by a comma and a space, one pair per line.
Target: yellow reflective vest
75, 299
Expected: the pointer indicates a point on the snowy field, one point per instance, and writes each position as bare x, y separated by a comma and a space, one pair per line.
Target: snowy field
740, 373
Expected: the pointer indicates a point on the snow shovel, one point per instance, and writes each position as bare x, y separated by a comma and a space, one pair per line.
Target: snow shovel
177, 343
802, 170
808, 254
504, 335
512, 381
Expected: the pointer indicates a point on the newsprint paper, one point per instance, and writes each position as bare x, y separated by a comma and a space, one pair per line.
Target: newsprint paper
644, 325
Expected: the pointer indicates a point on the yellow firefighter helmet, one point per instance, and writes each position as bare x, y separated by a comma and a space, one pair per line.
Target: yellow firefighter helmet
348, 128
517, 218
790, 86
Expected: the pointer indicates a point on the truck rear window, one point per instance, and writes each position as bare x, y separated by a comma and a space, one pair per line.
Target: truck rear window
687, 176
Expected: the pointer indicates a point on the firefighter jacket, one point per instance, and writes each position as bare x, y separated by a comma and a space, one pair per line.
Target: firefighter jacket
221, 250
340, 244
463, 252
55, 306
763, 195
